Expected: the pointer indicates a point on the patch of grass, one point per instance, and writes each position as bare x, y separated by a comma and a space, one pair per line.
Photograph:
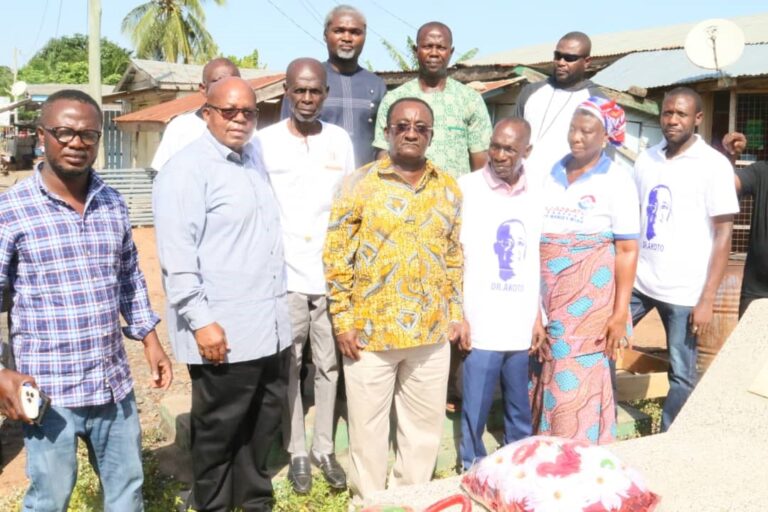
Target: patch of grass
440, 474
12, 501
159, 490
652, 407
322, 498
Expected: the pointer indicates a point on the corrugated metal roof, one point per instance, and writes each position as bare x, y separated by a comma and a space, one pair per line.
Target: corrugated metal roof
164, 112
486, 87
174, 74
45, 90
668, 67
755, 29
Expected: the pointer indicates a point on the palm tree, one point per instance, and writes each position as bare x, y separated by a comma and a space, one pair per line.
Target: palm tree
409, 62
171, 30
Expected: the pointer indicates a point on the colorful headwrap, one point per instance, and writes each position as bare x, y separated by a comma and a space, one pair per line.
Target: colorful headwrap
610, 114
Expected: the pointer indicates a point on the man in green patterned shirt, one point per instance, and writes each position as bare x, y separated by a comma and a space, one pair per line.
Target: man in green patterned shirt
462, 128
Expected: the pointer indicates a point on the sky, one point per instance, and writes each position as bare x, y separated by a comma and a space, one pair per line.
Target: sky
285, 29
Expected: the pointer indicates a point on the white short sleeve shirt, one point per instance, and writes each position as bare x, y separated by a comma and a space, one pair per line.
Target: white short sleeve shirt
604, 199
500, 238
678, 198
305, 173
180, 132
549, 111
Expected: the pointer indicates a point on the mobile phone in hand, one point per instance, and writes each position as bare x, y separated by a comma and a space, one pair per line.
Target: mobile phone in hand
34, 402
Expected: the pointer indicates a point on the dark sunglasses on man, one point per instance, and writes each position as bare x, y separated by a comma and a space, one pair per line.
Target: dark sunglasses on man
400, 128
64, 135
231, 113
567, 57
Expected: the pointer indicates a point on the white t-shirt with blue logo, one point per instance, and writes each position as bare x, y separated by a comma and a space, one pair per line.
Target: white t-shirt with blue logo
679, 196
604, 199
500, 237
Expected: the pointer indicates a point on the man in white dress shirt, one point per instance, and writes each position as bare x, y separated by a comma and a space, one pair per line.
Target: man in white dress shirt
306, 159
187, 127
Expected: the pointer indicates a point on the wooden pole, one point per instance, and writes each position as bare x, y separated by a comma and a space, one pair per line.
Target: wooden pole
94, 62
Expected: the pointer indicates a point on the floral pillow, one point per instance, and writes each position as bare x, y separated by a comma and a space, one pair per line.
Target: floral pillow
549, 474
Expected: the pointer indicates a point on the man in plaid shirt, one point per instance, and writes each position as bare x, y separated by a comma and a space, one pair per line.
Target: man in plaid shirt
66, 248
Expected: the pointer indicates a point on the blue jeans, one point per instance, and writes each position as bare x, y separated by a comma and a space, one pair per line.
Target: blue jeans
113, 436
682, 351
482, 371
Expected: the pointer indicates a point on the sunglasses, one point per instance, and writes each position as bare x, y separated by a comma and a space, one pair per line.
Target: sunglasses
567, 57
64, 135
230, 113
401, 128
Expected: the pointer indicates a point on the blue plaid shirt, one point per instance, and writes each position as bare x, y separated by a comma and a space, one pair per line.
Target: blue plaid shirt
72, 276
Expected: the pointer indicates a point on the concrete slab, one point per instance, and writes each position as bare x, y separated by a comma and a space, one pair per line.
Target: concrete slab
714, 456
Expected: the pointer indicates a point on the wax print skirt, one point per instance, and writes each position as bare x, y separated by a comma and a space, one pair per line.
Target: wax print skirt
571, 395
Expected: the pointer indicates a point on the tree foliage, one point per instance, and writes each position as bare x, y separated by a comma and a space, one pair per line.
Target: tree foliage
407, 61
251, 61
171, 30
6, 80
64, 60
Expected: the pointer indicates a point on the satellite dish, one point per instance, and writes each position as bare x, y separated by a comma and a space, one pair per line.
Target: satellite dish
714, 44
19, 88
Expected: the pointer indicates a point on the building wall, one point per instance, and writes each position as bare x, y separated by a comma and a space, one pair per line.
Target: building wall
138, 147
145, 146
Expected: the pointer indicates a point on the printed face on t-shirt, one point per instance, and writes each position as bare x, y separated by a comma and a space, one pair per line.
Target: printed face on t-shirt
510, 247
658, 212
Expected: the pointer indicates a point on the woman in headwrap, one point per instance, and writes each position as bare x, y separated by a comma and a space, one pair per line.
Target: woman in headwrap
588, 259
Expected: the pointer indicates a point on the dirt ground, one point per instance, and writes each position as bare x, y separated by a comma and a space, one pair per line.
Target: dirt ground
649, 333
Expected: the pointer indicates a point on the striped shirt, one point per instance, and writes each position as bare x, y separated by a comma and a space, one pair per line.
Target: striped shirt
72, 276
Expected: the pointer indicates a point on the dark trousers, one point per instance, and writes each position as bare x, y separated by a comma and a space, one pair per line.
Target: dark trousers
483, 369
681, 343
236, 413
744, 302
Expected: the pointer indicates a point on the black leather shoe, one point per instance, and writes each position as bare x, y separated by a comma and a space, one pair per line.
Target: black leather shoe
300, 474
332, 470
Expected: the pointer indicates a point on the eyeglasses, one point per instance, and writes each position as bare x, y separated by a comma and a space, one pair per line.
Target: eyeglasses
231, 113
567, 57
421, 129
64, 135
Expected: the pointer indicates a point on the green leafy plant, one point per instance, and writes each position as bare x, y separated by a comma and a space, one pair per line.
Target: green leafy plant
320, 499
407, 61
653, 408
251, 61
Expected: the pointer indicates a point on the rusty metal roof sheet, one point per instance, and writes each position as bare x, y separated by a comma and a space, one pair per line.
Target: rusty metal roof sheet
164, 112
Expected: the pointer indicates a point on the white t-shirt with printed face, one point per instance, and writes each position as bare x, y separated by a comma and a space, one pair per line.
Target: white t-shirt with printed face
678, 198
604, 199
305, 175
500, 238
